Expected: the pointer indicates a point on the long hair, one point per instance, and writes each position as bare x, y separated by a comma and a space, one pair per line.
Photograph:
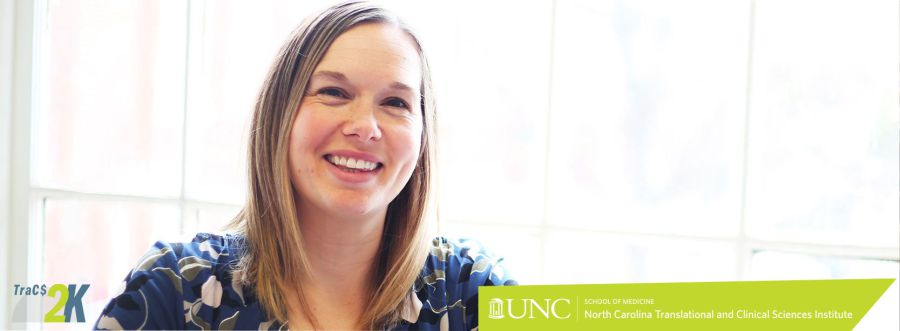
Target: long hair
274, 253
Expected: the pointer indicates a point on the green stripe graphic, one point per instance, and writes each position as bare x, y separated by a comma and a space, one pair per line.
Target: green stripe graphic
756, 305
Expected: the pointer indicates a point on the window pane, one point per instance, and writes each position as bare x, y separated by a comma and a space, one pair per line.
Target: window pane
520, 247
773, 265
647, 116
98, 242
491, 79
589, 258
824, 123
111, 94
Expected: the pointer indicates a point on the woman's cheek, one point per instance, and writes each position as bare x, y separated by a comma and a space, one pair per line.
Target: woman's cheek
412, 137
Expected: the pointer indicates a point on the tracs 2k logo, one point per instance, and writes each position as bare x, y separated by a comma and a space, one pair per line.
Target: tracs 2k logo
69, 300
530, 308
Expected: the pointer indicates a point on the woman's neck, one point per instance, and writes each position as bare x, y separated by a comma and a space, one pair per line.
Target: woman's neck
342, 252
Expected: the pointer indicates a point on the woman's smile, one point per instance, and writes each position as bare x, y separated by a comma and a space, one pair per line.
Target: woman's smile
358, 168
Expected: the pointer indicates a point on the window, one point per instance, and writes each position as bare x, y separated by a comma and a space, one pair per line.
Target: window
587, 142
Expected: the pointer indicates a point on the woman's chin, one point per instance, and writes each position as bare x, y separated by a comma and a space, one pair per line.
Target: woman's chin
355, 206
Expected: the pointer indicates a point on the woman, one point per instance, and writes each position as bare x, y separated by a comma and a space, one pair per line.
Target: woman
332, 235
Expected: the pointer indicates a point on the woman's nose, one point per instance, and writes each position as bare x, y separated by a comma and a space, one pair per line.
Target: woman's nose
362, 123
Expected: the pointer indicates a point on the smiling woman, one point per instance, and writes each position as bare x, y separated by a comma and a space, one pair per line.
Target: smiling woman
333, 233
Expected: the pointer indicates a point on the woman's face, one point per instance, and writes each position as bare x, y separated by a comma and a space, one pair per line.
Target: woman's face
355, 141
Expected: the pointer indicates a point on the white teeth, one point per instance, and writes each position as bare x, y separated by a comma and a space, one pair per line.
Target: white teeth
352, 163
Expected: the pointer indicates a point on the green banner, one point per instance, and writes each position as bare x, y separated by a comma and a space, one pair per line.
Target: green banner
758, 305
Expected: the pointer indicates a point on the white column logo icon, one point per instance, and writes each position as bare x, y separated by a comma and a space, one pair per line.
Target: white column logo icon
496, 309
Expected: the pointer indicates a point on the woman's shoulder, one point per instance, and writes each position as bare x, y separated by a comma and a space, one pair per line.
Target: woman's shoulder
466, 257
178, 285
448, 284
217, 249
205, 248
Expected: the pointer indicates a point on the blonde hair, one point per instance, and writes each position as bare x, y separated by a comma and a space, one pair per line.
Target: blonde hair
273, 255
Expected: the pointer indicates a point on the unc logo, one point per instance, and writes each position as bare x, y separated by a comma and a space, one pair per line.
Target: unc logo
496, 309
529, 308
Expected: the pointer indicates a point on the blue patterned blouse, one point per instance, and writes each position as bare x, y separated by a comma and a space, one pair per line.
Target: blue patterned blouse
190, 286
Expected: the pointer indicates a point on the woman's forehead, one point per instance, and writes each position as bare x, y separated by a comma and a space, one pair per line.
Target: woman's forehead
380, 51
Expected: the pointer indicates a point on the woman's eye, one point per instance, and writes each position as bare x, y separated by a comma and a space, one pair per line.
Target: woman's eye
396, 102
333, 92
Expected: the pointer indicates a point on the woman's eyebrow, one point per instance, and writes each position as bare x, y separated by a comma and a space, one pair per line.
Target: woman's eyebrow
340, 77
401, 86
334, 75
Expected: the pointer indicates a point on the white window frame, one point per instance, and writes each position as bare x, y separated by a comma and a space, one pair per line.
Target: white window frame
18, 31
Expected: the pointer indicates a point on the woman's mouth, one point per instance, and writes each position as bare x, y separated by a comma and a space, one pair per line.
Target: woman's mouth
349, 164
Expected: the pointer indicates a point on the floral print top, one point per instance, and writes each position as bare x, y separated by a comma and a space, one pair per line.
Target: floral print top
190, 286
